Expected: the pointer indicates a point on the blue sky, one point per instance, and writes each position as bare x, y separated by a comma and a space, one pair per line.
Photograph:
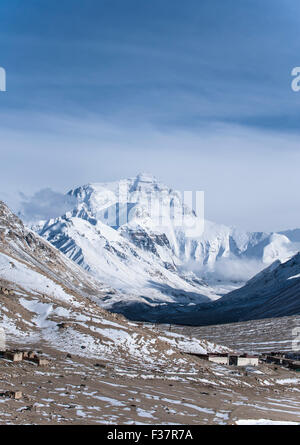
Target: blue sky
196, 92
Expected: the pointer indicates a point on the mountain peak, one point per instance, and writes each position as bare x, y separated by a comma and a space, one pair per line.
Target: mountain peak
8, 220
146, 177
146, 182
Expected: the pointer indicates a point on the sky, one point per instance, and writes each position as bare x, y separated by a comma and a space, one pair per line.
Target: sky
198, 93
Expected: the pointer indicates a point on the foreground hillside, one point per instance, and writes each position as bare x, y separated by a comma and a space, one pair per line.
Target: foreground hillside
78, 390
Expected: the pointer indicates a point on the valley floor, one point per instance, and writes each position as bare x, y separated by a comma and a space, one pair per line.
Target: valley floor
271, 334
77, 390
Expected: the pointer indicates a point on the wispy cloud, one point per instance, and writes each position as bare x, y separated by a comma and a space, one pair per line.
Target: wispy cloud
45, 204
232, 269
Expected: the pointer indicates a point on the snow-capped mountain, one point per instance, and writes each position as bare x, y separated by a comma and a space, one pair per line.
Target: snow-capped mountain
149, 214
142, 238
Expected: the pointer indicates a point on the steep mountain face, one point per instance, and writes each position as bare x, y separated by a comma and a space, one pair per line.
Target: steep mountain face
274, 292
47, 299
150, 214
109, 256
142, 238
16, 241
117, 239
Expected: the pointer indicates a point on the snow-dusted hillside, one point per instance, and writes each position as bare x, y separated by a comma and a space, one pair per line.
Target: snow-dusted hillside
274, 292
128, 234
47, 298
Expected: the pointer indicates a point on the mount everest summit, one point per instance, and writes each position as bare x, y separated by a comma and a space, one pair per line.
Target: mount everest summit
141, 238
